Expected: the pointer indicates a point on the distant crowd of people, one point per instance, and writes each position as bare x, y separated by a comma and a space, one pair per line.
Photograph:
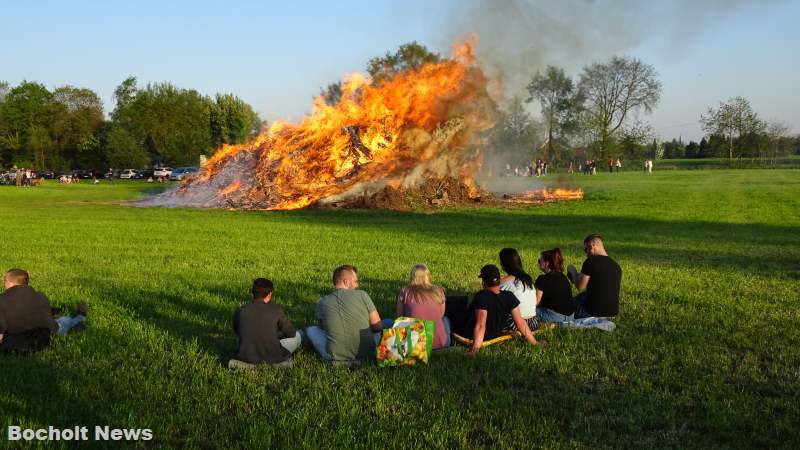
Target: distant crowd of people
539, 168
19, 177
534, 169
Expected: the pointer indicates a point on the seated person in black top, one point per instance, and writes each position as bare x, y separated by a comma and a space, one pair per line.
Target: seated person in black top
490, 310
265, 334
553, 291
26, 319
599, 279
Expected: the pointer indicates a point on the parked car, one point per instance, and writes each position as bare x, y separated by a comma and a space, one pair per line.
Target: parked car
82, 174
144, 174
48, 174
128, 174
162, 172
182, 172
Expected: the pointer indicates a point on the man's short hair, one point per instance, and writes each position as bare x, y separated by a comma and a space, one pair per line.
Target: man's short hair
262, 287
16, 276
593, 238
338, 274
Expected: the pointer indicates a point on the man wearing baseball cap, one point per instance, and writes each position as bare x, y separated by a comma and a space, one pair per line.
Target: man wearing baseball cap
490, 310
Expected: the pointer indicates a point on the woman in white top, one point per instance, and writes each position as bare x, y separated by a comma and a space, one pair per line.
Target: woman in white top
520, 283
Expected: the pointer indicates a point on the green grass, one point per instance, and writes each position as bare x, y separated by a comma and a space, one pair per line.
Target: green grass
783, 162
706, 354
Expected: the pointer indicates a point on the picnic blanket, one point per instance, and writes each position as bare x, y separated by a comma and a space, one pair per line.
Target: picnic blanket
592, 322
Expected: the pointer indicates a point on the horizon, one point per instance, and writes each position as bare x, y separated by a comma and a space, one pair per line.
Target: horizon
277, 57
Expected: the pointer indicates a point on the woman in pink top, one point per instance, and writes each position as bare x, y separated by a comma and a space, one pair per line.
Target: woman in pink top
421, 299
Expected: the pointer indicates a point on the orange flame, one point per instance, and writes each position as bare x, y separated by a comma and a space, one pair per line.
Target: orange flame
547, 195
421, 122
231, 188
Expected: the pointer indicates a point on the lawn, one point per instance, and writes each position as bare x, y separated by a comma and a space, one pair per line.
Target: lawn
706, 353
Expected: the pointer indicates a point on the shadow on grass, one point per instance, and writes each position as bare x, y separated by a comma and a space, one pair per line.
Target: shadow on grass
627, 237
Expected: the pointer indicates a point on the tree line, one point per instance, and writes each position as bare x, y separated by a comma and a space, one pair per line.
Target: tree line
600, 116
66, 128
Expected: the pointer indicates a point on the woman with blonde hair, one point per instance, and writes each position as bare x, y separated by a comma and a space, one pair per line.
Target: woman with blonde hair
422, 299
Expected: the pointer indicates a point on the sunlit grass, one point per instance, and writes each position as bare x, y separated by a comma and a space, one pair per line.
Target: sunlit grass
706, 354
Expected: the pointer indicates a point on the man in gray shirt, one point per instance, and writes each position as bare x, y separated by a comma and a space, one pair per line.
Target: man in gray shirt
347, 321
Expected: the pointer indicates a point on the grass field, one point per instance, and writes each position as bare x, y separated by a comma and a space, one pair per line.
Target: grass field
784, 162
706, 354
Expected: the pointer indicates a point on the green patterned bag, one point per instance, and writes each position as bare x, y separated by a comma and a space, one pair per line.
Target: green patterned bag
408, 341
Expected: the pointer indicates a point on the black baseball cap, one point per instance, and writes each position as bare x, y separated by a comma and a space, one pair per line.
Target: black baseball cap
490, 274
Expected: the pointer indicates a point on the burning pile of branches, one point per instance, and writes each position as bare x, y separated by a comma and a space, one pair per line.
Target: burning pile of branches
430, 192
414, 135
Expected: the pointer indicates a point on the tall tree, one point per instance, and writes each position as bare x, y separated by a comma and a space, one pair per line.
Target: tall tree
634, 139
172, 123
555, 93
4, 88
123, 150
733, 119
332, 93
779, 141
615, 89
232, 120
124, 95
514, 138
78, 118
408, 57
26, 113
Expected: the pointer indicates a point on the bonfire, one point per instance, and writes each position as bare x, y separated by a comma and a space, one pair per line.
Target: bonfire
417, 134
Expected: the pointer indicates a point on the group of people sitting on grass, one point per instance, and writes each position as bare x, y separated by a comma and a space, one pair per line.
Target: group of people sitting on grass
348, 324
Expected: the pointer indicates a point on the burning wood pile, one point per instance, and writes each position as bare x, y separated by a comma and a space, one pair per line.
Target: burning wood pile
544, 196
416, 134
413, 140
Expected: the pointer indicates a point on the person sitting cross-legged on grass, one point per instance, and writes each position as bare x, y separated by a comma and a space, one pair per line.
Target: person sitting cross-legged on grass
421, 299
599, 280
26, 319
519, 283
553, 291
490, 310
347, 321
265, 334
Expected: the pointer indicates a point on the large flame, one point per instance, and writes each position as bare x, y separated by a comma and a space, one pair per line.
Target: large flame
420, 123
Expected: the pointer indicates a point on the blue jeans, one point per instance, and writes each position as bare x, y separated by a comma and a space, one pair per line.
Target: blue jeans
580, 305
319, 340
548, 315
66, 323
447, 331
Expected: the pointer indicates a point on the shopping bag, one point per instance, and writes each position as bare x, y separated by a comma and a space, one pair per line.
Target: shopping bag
409, 341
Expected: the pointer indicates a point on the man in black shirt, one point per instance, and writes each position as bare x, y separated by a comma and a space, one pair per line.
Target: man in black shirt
26, 319
490, 309
265, 334
600, 277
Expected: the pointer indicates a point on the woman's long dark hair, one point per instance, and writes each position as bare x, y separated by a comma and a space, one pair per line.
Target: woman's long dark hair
512, 265
554, 258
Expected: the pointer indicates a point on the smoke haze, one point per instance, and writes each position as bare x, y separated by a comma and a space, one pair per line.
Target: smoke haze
517, 38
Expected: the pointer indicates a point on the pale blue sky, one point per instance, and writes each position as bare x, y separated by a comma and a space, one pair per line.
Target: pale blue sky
276, 55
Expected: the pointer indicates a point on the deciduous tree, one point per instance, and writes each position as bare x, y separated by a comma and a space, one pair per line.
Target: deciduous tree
232, 120
560, 103
614, 90
733, 119
407, 57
